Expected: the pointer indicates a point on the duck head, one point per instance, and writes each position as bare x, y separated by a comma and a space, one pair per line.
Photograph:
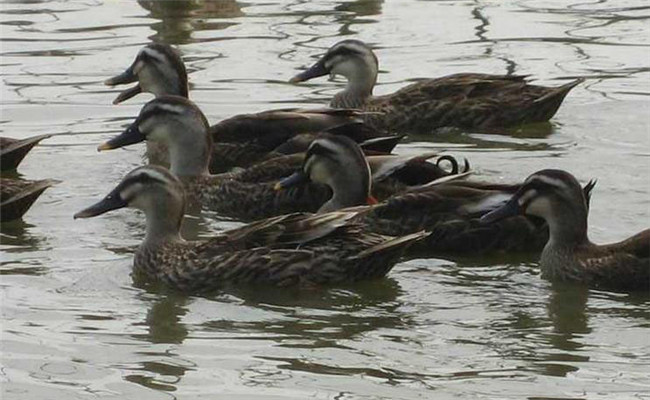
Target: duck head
338, 162
557, 197
154, 191
177, 123
157, 69
350, 58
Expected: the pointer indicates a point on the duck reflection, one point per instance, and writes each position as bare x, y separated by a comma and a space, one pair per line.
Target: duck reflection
566, 308
320, 317
163, 370
179, 18
351, 10
308, 318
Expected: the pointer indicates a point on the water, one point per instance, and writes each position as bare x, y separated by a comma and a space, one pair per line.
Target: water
76, 326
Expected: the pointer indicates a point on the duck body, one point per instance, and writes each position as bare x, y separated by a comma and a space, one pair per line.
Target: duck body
294, 249
346, 255
469, 101
569, 255
466, 100
450, 211
622, 265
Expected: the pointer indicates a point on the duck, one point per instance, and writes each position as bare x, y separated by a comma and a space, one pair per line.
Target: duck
242, 140
247, 195
463, 100
18, 195
13, 151
568, 255
449, 208
297, 249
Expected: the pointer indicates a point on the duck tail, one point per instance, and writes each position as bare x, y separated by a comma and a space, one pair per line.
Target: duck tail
545, 107
13, 151
377, 260
394, 246
14, 207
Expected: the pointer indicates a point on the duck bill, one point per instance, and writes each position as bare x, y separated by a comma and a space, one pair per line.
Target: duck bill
109, 203
127, 94
295, 179
127, 76
130, 136
510, 209
315, 71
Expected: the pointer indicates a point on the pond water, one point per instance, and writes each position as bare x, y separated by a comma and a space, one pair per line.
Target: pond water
75, 325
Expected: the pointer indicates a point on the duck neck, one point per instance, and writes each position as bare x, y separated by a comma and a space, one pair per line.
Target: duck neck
190, 155
358, 89
348, 190
163, 224
567, 231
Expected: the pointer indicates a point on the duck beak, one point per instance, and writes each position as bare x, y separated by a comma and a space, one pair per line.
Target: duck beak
130, 136
127, 76
510, 209
112, 201
315, 71
295, 179
127, 94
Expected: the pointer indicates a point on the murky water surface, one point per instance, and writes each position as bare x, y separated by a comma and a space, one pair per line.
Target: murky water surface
75, 326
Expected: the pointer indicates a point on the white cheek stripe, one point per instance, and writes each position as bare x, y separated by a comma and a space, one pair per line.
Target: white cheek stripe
129, 192
154, 54
172, 108
529, 194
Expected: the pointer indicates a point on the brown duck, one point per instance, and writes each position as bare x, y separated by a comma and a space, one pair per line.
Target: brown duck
465, 100
288, 250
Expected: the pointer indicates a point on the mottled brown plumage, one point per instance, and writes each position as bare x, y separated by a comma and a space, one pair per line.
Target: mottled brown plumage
466, 100
289, 250
451, 211
569, 255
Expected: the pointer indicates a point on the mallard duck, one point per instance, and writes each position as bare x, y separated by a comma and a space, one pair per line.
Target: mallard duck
242, 140
293, 249
449, 209
180, 125
17, 196
569, 255
12, 151
460, 100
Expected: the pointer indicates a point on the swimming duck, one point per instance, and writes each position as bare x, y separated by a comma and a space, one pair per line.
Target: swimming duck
294, 249
569, 255
18, 195
449, 209
242, 140
12, 151
465, 100
180, 125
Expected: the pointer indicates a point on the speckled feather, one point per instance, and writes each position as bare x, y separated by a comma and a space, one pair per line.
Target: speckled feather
461, 100
622, 265
254, 258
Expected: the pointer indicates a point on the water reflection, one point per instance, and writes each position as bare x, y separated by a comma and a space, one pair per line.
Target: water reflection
351, 10
180, 18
